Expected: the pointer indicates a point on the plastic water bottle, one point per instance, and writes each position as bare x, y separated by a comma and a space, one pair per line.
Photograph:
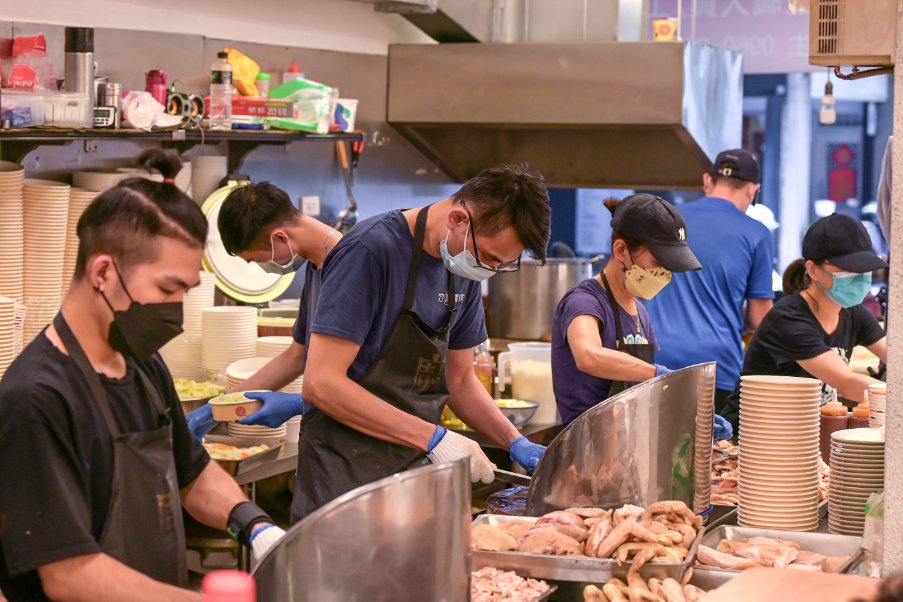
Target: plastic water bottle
221, 93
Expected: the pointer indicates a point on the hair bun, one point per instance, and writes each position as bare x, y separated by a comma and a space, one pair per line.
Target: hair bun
166, 162
611, 204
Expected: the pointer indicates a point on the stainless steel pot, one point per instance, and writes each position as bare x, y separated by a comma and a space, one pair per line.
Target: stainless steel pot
522, 303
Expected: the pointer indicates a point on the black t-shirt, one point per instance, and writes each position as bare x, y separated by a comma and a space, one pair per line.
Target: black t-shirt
790, 332
56, 458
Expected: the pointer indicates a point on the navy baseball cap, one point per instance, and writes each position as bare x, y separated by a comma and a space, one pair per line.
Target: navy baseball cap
660, 227
738, 163
843, 241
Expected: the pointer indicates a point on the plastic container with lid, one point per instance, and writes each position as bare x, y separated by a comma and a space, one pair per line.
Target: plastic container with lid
22, 108
67, 109
834, 417
263, 82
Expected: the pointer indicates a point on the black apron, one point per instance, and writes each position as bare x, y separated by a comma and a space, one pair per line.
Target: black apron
143, 527
642, 351
409, 373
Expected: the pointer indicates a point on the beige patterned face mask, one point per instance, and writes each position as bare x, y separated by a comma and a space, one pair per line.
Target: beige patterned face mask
644, 283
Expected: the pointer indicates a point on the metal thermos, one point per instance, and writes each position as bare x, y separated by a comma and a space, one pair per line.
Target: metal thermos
80, 65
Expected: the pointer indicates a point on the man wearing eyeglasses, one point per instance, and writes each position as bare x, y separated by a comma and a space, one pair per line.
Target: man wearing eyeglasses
399, 314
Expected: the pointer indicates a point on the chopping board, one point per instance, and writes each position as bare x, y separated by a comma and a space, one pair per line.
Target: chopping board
768, 585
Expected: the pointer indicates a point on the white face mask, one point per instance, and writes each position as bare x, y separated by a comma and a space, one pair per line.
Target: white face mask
463, 264
271, 267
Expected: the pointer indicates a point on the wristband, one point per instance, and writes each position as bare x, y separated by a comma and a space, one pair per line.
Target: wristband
242, 518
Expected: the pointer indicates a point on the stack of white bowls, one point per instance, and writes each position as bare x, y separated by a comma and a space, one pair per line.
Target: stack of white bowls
857, 471
705, 415
877, 404
183, 353
206, 174
79, 199
46, 215
19, 326
229, 335
271, 347
7, 333
236, 375
97, 181
779, 426
12, 238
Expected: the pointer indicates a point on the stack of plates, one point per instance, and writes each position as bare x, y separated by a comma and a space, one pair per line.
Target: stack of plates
229, 334
857, 471
239, 372
19, 327
877, 404
705, 415
7, 333
12, 239
253, 431
97, 181
273, 346
206, 174
183, 354
46, 214
79, 199
779, 425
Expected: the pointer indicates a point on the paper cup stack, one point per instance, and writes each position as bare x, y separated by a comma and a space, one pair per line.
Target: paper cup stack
779, 425
7, 333
857, 471
229, 335
12, 175
271, 347
46, 215
877, 404
702, 460
183, 353
236, 375
79, 199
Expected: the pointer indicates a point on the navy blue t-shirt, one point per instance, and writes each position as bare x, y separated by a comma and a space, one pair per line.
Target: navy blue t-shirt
699, 316
577, 391
310, 293
365, 279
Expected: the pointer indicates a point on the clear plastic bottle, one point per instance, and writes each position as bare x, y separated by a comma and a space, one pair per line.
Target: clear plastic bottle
221, 93
484, 365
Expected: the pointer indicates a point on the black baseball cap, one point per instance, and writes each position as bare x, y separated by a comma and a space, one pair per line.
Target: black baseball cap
843, 241
738, 163
656, 224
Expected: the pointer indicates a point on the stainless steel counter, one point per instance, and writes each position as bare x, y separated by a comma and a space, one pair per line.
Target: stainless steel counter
286, 461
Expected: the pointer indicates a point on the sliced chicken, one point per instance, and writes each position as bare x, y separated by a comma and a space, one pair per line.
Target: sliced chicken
549, 541
779, 557
771, 541
491, 539
711, 557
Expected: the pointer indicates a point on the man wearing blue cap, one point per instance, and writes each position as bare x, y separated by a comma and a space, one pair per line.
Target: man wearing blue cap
703, 315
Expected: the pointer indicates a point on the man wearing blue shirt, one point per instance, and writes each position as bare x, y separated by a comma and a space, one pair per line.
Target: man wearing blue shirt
702, 315
392, 340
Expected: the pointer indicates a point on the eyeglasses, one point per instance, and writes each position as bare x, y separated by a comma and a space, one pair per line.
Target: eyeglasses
504, 266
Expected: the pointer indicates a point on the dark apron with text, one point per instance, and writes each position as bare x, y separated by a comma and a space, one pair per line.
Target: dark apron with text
409, 373
143, 527
642, 351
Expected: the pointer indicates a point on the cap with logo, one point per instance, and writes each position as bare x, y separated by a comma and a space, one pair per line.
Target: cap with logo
843, 241
656, 224
738, 163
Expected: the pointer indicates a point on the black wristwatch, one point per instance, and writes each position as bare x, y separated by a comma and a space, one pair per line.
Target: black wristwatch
243, 518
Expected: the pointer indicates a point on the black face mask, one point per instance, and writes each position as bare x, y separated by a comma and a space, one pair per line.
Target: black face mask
141, 330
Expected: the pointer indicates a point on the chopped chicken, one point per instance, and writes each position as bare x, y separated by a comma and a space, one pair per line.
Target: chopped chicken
492, 585
710, 557
765, 551
491, 539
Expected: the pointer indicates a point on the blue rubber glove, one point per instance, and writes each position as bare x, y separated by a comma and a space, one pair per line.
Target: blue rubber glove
723, 429
200, 421
277, 408
659, 369
526, 453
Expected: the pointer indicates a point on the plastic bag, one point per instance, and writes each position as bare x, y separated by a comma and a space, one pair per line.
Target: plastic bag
315, 106
28, 66
244, 72
873, 535
142, 111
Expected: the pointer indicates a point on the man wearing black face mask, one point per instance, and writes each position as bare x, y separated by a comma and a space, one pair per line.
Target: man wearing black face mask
97, 460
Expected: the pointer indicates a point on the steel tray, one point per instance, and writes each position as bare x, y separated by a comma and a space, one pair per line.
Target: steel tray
822, 543
570, 568
235, 467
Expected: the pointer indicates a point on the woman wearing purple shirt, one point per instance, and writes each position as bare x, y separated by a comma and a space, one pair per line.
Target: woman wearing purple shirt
594, 354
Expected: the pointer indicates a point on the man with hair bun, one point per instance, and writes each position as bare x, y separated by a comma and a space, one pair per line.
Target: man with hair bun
98, 461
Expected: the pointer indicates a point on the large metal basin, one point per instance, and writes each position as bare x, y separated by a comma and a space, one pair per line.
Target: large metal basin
404, 538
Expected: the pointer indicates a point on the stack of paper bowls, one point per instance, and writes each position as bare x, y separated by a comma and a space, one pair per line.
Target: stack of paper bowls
206, 174
271, 347
79, 199
705, 415
779, 424
877, 404
97, 181
183, 354
7, 333
19, 326
229, 335
236, 375
857, 471
46, 215
12, 239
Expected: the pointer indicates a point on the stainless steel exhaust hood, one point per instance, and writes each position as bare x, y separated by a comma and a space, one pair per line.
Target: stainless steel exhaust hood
614, 115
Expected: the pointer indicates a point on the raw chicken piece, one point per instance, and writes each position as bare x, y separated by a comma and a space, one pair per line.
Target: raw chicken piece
779, 557
711, 557
589, 523
597, 534
549, 541
641, 533
810, 558
693, 593
615, 538
640, 559
804, 567
516, 528
591, 593
565, 518
673, 592
676, 507
590, 512
771, 541
628, 549
491, 539
626, 511
577, 533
